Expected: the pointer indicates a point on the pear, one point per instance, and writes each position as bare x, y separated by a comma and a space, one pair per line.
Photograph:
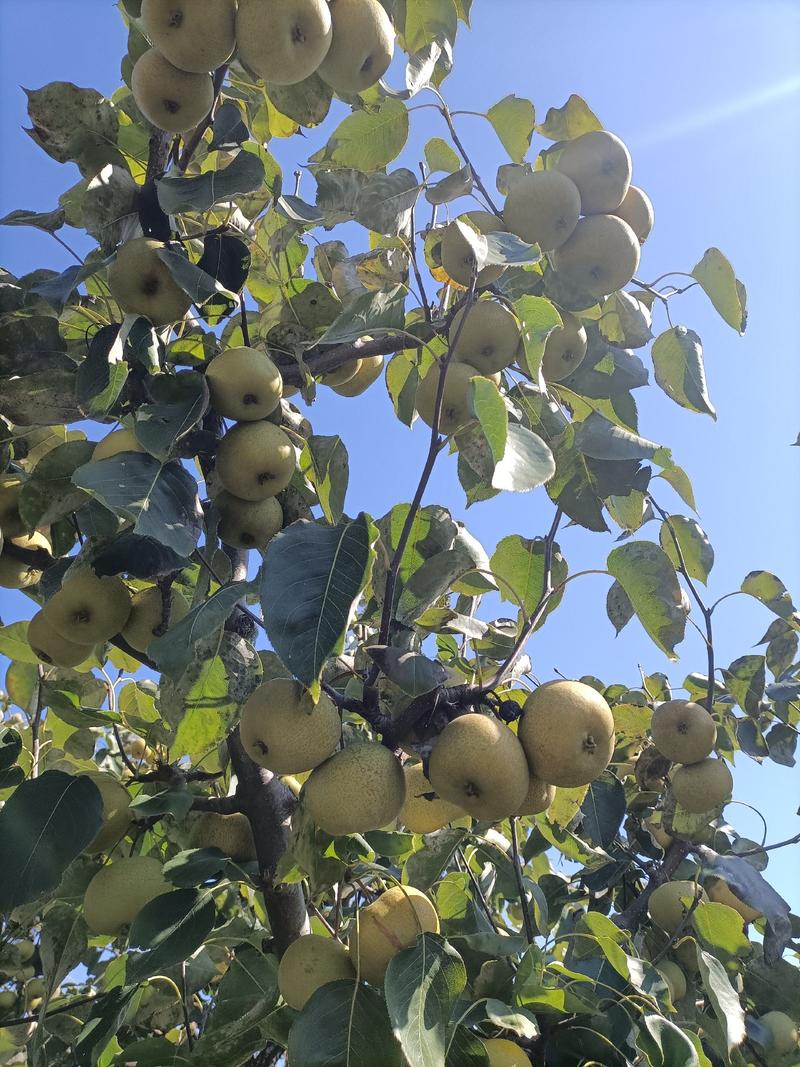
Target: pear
721, 893
16, 573
342, 374
637, 210
117, 815
420, 814
703, 786
194, 35
142, 285
539, 797
455, 401
543, 208
117, 441
456, 253
8, 1000
504, 1053
283, 729
283, 41
248, 523
489, 339
683, 731
783, 1032
600, 257
244, 384
51, 647
674, 979
391, 923
11, 524
362, 45
564, 349
231, 834
670, 902
172, 100
478, 764
147, 610
88, 609
369, 370
599, 164
120, 890
360, 788
567, 731
255, 460
307, 964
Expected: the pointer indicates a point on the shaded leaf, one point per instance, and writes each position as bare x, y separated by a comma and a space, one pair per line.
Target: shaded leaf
678, 364
169, 929
368, 314
325, 463
344, 1024
244, 174
696, 550
414, 673
648, 578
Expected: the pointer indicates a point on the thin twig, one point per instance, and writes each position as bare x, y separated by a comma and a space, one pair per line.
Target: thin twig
420, 284
185, 1005
461, 860
769, 848
445, 112
191, 144
241, 607
523, 896
36, 721
245, 327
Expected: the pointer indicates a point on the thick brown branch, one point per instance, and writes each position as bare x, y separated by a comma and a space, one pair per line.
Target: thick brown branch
219, 805
633, 916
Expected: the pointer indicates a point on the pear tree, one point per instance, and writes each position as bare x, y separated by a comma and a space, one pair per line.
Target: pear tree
283, 781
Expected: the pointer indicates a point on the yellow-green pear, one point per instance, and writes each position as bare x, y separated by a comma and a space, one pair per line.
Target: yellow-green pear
369, 370
117, 441
600, 165
783, 1032
283, 41
455, 411
669, 903
248, 523
342, 374
147, 613
567, 731
391, 923
478, 764
539, 797
51, 647
700, 787
721, 893
504, 1053
600, 257
255, 460
8, 1000
543, 208
231, 834
284, 730
117, 816
88, 609
637, 210
457, 255
24, 949
244, 384
421, 814
173, 100
142, 285
16, 573
358, 789
658, 834
10, 522
674, 978
683, 731
564, 349
194, 35
362, 45
120, 890
309, 963
486, 335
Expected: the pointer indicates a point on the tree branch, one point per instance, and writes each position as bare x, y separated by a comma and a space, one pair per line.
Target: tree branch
191, 144
518, 875
633, 916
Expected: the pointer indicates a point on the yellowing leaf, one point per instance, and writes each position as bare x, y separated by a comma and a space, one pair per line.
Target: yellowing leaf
513, 119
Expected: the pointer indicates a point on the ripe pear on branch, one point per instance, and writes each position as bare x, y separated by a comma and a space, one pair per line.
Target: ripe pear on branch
193, 35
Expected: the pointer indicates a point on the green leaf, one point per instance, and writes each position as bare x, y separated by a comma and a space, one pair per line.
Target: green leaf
665, 1044
103, 373
178, 402
44, 398
724, 998
169, 929
439, 155
678, 364
538, 318
244, 174
10, 747
251, 979
451, 187
421, 987
618, 607
421, 21
514, 120
771, 591
518, 567
369, 313
50, 493
192, 279
720, 927
173, 651
161, 501
489, 409
74, 124
325, 463
745, 680
63, 942
49, 221
625, 321
698, 555
569, 121
414, 673
424, 867
603, 810
175, 802
344, 1024
306, 103
385, 201
312, 578
646, 574
600, 438
14, 643
194, 866
720, 284
368, 139
44, 825
526, 464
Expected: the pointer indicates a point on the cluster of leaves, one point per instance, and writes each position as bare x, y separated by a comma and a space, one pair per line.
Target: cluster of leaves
195, 979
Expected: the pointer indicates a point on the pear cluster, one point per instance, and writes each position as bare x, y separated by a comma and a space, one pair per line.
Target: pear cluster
16, 572
348, 43
685, 733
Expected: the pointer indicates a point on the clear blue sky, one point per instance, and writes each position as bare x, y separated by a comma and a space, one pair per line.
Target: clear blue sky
707, 97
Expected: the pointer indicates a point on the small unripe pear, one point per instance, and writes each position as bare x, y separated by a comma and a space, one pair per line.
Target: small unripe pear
369, 370
458, 258
721, 893
670, 902
117, 815
284, 730
567, 731
244, 384
255, 460
16, 573
637, 210
10, 522
147, 613
700, 787
231, 834
600, 257
455, 410
120, 890
683, 731
419, 814
543, 208
783, 1032
675, 979
539, 797
248, 523
504, 1053
358, 789
486, 335
564, 349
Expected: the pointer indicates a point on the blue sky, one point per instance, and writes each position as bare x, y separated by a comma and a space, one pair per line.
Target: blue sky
706, 97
